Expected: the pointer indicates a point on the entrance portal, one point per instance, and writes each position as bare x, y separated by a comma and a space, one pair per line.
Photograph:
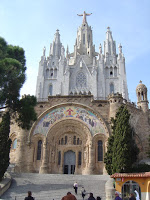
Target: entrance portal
69, 162
130, 187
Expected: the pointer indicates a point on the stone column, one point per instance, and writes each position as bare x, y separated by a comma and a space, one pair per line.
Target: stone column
44, 166
91, 159
76, 167
110, 190
30, 158
20, 153
62, 161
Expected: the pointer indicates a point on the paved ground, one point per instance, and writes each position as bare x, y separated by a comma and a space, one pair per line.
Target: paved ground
54, 186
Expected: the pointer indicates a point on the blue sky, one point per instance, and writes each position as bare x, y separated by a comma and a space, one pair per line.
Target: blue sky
31, 24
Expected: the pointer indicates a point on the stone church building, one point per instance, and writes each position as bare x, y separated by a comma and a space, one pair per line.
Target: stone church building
77, 95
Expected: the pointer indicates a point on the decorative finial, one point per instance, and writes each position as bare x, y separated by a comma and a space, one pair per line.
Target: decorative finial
84, 17
57, 30
140, 81
120, 48
44, 49
100, 49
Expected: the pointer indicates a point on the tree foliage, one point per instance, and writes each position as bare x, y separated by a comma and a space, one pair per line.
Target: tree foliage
12, 78
148, 149
122, 149
5, 143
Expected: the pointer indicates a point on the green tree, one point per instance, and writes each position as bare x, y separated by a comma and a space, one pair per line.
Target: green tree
5, 143
12, 78
148, 149
123, 148
109, 154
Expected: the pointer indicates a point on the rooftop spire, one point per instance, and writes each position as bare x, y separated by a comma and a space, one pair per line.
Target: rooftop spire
84, 16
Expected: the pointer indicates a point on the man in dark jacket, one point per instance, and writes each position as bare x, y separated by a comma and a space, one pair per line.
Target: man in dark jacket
91, 196
29, 196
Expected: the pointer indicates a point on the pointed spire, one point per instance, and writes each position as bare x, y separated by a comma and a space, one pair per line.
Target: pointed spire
67, 51
57, 36
44, 49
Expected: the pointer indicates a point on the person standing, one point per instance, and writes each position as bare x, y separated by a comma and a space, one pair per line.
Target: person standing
117, 196
83, 192
137, 195
132, 197
29, 197
91, 197
75, 185
69, 196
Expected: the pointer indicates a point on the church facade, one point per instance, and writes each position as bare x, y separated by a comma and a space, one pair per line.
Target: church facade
77, 95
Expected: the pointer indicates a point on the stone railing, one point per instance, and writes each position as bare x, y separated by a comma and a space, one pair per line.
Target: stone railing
5, 183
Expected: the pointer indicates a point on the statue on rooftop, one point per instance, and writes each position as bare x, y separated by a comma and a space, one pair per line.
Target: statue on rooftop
84, 16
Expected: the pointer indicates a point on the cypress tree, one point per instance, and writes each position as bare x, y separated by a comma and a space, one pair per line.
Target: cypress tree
5, 143
148, 149
122, 150
108, 155
125, 150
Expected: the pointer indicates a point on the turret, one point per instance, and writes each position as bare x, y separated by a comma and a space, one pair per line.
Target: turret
115, 101
141, 92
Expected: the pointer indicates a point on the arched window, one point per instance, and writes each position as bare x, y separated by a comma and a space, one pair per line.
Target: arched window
51, 90
100, 150
107, 72
83, 38
39, 150
81, 80
115, 71
62, 141
65, 139
142, 96
51, 73
111, 71
111, 88
55, 73
74, 140
79, 158
59, 157
47, 73
78, 141
14, 144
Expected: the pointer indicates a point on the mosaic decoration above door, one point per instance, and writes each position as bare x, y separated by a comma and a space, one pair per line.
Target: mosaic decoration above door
94, 124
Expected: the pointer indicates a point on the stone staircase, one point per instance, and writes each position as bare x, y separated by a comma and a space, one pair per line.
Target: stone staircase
54, 186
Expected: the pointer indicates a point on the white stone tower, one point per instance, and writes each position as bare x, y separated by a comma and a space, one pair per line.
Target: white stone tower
83, 71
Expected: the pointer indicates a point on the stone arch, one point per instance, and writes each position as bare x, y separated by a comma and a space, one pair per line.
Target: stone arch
80, 122
99, 165
130, 187
67, 127
97, 115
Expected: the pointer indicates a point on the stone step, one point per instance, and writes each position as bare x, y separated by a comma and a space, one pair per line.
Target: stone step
54, 186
